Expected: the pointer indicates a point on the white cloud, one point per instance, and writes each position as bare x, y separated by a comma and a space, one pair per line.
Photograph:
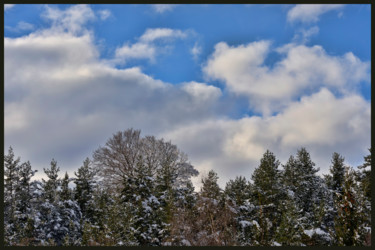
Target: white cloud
137, 51
161, 8
318, 122
301, 69
8, 6
104, 14
196, 51
151, 35
69, 20
303, 35
202, 92
146, 47
62, 101
21, 26
309, 13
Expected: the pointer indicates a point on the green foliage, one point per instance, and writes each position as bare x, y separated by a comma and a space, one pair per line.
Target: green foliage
153, 202
337, 171
83, 193
51, 185
238, 190
210, 188
347, 223
65, 193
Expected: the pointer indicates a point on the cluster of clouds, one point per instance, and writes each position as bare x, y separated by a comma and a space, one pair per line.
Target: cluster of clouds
301, 69
151, 43
63, 101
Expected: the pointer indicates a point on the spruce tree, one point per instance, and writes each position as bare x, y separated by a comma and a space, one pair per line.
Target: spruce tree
306, 188
337, 170
290, 230
11, 179
66, 192
51, 185
50, 229
348, 221
83, 192
267, 194
24, 209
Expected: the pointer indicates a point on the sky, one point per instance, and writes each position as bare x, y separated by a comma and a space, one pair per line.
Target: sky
222, 82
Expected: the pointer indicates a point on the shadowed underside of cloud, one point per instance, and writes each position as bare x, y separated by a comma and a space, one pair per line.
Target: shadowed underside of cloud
63, 101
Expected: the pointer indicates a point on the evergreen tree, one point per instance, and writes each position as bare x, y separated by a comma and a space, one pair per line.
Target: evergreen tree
267, 194
83, 193
65, 193
337, 170
53, 182
146, 211
11, 179
238, 190
364, 176
24, 210
306, 172
210, 188
49, 226
290, 230
348, 221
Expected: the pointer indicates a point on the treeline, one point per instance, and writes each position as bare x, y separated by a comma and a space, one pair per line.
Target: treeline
137, 191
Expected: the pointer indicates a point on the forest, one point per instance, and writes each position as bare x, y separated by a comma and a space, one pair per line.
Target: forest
138, 191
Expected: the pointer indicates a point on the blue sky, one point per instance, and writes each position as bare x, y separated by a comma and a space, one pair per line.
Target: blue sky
223, 82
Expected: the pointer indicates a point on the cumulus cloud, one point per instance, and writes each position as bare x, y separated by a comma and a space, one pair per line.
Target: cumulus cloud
70, 20
161, 8
137, 51
146, 47
65, 101
317, 122
302, 68
310, 13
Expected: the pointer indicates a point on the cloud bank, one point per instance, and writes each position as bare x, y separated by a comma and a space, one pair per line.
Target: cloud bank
63, 101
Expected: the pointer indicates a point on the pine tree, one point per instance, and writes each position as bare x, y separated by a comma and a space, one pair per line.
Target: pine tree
337, 170
210, 188
49, 227
348, 221
52, 184
238, 190
306, 172
267, 194
24, 210
70, 213
65, 193
83, 193
11, 179
290, 230
365, 175
363, 191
